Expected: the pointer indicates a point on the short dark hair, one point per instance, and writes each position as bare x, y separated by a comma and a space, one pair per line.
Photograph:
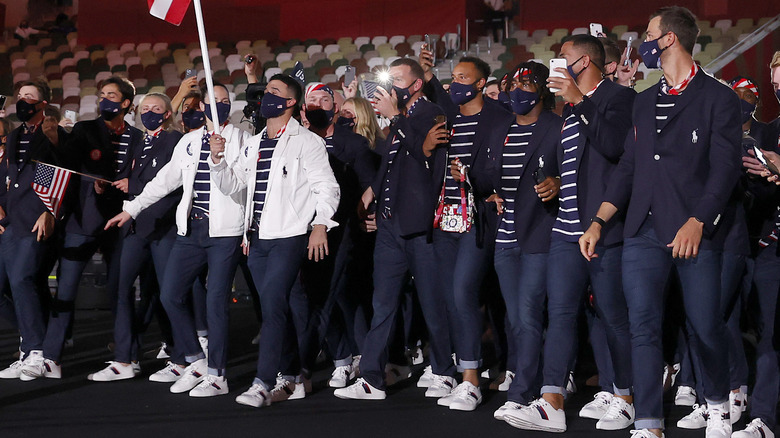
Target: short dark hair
482, 66
611, 50
493, 82
44, 91
592, 47
538, 76
295, 86
204, 90
681, 22
414, 66
125, 87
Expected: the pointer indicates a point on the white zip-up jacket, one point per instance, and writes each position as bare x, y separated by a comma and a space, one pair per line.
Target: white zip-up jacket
226, 212
302, 191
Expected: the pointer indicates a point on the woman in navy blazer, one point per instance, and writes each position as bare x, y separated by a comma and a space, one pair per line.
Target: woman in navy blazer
151, 234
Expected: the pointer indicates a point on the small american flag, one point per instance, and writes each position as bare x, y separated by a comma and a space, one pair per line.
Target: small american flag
49, 184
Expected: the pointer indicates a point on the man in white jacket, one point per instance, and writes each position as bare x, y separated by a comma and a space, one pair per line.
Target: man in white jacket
210, 227
291, 190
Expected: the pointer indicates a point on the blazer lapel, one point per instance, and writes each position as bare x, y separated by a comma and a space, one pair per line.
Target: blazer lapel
687, 96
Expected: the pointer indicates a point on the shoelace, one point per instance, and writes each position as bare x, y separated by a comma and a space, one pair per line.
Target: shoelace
615, 410
280, 385
256, 389
343, 369
461, 391
642, 433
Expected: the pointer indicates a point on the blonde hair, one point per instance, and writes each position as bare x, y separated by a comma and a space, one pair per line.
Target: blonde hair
365, 123
167, 124
775, 60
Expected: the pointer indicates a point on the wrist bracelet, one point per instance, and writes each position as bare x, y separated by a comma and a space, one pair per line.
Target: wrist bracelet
599, 221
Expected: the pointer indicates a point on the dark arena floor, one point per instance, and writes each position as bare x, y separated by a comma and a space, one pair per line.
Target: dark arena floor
75, 406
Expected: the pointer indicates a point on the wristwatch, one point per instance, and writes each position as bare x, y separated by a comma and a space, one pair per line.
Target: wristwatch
395, 119
599, 221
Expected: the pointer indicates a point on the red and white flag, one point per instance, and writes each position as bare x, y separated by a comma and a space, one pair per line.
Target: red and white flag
50, 183
172, 11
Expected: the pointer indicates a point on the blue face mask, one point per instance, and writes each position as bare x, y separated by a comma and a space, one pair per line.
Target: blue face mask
650, 52
523, 101
777, 95
109, 109
152, 120
193, 118
462, 93
223, 112
505, 100
570, 68
747, 110
403, 95
272, 106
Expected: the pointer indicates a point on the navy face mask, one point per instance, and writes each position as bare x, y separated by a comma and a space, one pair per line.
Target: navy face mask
25, 110
319, 118
152, 120
193, 118
462, 93
650, 52
570, 68
346, 122
523, 101
109, 109
747, 109
223, 112
272, 106
403, 95
505, 100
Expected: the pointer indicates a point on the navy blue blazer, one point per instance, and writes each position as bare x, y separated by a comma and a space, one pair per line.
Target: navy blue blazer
89, 150
354, 166
494, 123
534, 219
689, 169
605, 118
22, 205
415, 178
160, 218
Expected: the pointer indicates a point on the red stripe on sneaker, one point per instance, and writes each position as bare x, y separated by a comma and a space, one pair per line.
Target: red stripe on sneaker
542, 413
366, 388
116, 371
626, 414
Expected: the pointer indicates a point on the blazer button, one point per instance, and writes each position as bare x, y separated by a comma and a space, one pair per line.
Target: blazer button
656, 157
16, 185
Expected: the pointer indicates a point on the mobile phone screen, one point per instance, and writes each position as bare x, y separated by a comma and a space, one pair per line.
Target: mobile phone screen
768, 164
349, 76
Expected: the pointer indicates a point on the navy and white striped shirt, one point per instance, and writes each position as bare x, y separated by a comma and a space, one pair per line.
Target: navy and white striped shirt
121, 144
463, 131
511, 170
202, 185
329, 144
148, 143
567, 225
663, 107
265, 152
25, 137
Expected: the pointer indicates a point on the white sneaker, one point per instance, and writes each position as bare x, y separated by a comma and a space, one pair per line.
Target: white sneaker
737, 403
51, 369
341, 376
509, 406
426, 379
619, 416
136, 367
286, 390
163, 352
396, 373
670, 375
204, 345
465, 397
13, 371
360, 390
32, 366
508, 377
696, 419
114, 371
599, 406
441, 386
210, 386
755, 429
539, 415
191, 377
644, 433
571, 387
417, 356
718, 420
256, 396
686, 396
169, 374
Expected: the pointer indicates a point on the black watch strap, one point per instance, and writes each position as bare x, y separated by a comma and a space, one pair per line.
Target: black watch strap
599, 221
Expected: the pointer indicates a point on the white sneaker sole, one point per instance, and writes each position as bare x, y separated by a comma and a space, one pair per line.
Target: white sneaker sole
521, 423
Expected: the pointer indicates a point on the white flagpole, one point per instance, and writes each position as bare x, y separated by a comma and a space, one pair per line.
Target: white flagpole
204, 51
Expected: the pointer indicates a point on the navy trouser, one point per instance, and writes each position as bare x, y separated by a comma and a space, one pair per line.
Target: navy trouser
7, 311
199, 304
647, 263
20, 256
523, 280
461, 267
766, 279
394, 256
567, 284
76, 252
136, 252
189, 256
598, 341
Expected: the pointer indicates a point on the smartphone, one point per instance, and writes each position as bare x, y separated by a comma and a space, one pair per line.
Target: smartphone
597, 30
2, 101
428, 43
768, 164
441, 118
190, 73
250, 59
557, 63
349, 76
539, 175
71, 115
627, 61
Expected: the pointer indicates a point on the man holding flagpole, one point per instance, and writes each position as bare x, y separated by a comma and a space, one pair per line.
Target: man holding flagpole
27, 223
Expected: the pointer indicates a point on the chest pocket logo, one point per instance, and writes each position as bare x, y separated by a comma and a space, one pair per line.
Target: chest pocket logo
154, 162
694, 136
189, 149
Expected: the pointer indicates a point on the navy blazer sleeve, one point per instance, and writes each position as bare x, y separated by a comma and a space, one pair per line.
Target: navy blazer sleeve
411, 132
621, 182
606, 128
